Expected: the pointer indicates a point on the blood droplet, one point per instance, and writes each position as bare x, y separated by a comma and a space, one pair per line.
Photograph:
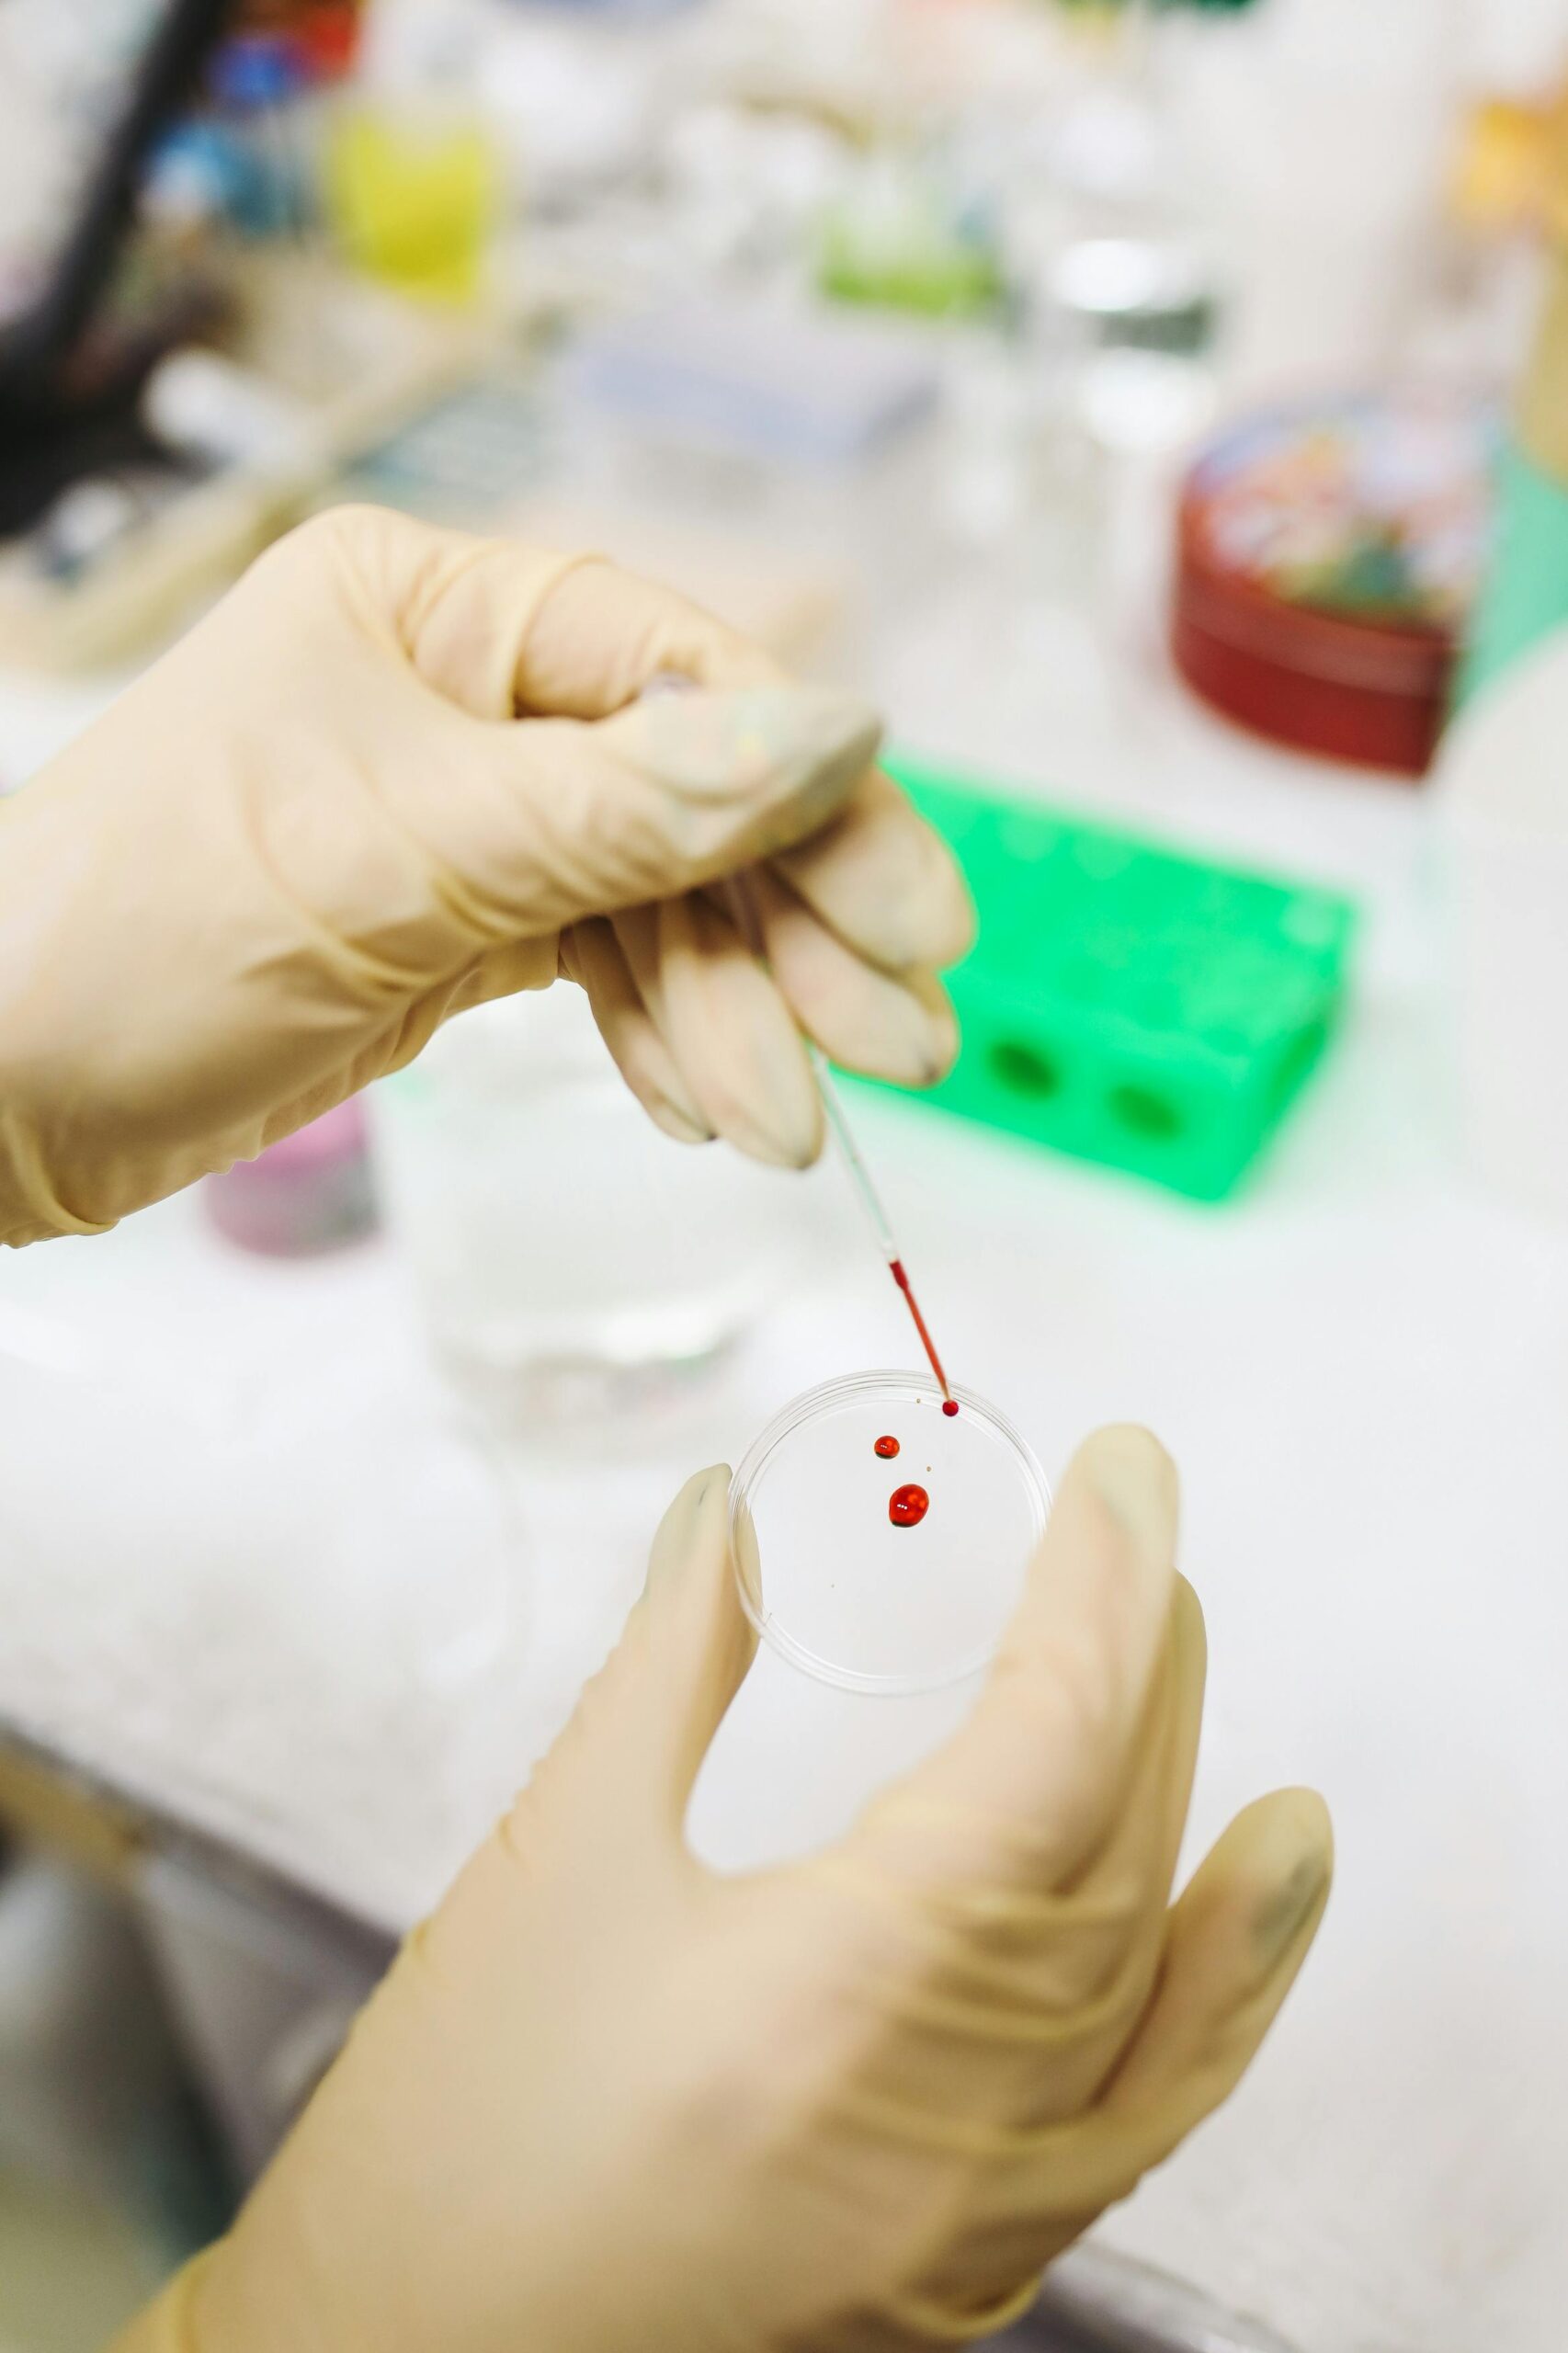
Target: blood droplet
950, 1406
887, 1447
907, 1507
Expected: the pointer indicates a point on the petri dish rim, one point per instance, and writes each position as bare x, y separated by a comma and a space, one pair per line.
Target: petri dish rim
790, 1418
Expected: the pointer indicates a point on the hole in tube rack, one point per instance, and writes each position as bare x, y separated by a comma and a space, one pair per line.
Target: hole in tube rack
1148, 1113
1024, 1069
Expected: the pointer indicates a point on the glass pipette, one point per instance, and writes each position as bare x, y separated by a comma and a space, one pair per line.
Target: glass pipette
666, 682
870, 1202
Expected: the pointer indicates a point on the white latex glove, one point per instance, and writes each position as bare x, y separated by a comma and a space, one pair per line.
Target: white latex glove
332, 815
605, 2099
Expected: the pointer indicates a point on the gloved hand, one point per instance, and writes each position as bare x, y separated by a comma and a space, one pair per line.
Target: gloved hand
606, 2099
320, 825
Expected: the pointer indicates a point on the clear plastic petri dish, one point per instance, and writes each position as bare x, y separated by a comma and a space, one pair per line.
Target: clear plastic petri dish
854, 1578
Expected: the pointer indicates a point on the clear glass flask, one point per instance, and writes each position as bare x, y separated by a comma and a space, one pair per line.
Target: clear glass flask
573, 1264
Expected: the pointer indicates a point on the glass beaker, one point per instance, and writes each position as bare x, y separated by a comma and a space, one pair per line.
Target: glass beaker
573, 1263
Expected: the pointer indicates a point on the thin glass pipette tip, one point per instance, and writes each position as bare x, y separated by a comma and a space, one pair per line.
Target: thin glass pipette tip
742, 909
844, 1136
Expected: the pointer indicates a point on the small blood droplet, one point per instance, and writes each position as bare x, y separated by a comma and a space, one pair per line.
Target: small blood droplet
950, 1406
907, 1507
887, 1447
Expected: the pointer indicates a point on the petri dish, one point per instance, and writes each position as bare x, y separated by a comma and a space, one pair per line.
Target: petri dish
854, 1582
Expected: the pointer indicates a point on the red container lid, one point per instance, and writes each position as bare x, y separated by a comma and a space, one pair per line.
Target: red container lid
328, 36
1327, 556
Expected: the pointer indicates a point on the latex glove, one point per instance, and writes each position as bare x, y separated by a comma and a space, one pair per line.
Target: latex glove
316, 828
605, 2098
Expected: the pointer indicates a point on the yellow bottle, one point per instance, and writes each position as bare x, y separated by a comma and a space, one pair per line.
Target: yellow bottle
1525, 594
413, 198
413, 174
1502, 799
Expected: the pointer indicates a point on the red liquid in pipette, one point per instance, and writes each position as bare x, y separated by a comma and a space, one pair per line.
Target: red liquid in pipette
950, 1403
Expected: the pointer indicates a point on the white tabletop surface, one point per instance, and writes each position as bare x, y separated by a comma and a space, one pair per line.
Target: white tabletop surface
1361, 1367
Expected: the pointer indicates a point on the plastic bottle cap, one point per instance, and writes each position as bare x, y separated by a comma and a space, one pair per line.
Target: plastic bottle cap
329, 41
256, 70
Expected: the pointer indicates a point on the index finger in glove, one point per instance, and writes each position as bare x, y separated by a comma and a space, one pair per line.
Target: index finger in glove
732, 1034
1030, 1987
1229, 1953
899, 1027
535, 824
1065, 1974
884, 880
601, 635
1234, 1946
1234, 1942
499, 627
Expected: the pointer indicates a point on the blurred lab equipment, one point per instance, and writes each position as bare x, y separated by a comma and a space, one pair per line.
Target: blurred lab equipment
1503, 812
786, 424
413, 174
1497, 257
1315, 138
1327, 557
1120, 272
82, 97
123, 559
261, 1985
572, 1263
327, 35
623, 11
1525, 593
1505, 828
126, 498
482, 450
207, 406
1098, 2301
309, 1193
773, 380
898, 238
257, 82
414, 200
1128, 1003
95, 2109
747, 187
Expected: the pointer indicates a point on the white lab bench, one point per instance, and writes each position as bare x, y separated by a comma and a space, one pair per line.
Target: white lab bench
1361, 1367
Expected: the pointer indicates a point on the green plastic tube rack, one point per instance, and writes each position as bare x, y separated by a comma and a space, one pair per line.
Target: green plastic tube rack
1125, 1003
